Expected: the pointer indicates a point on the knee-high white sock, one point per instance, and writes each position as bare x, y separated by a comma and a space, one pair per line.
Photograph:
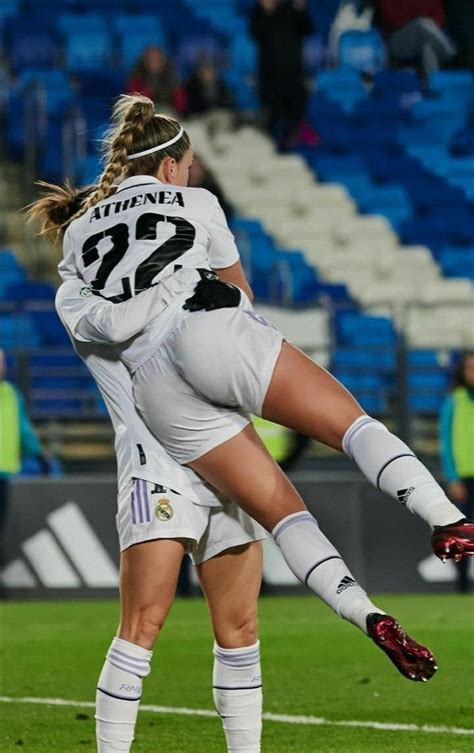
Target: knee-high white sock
237, 690
118, 695
391, 466
318, 564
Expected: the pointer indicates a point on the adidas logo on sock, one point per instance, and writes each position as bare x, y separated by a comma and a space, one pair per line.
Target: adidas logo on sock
403, 494
346, 583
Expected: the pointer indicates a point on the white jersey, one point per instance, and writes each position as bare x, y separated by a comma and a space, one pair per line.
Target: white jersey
89, 319
148, 232
143, 233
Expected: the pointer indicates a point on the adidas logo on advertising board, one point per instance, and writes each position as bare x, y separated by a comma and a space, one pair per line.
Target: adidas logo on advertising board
67, 553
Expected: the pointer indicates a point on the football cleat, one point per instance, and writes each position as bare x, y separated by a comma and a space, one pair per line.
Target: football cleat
413, 661
454, 541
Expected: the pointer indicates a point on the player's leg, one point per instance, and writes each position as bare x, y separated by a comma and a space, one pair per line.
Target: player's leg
245, 364
305, 397
148, 577
231, 584
266, 494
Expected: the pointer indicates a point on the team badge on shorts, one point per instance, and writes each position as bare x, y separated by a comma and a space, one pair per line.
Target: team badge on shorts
163, 510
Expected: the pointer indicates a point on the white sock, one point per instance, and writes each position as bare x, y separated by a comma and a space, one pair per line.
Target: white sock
237, 690
391, 466
118, 695
318, 564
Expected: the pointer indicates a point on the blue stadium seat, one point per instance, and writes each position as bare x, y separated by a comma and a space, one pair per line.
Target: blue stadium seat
31, 291
8, 260
87, 170
425, 358
457, 81
243, 54
424, 403
428, 381
32, 48
88, 50
57, 91
382, 360
362, 51
374, 404
85, 23
8, 9
138, 23
352, 326
132, 45
18, 331
50, 328
191, 48
10, 277
338, 78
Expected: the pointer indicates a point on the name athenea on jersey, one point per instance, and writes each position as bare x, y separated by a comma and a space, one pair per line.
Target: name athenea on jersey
141, 199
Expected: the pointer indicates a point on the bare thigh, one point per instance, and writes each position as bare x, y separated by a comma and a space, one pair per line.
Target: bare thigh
231, 583
244, 471
307, 398
148, 578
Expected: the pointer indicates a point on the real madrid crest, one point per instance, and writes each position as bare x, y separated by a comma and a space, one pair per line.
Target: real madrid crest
163, 510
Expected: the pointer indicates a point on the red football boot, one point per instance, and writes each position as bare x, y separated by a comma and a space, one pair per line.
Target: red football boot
454, 541
412, 660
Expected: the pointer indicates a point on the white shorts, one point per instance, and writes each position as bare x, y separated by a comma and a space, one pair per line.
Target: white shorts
212, 371
147, 512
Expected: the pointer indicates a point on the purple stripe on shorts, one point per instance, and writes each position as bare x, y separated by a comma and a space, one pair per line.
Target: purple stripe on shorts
138, 487
147, 502
133, 503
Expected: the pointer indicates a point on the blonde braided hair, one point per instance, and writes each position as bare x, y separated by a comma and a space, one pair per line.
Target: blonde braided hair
135, 128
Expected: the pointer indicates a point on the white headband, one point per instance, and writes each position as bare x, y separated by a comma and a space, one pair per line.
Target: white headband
159, 147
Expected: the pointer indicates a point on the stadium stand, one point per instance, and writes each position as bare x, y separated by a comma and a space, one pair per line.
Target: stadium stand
375, 226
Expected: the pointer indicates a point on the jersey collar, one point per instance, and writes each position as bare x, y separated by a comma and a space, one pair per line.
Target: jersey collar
138, 180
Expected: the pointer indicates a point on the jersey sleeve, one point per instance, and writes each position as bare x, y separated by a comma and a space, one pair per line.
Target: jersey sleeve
67, 268
222, 248
89, 318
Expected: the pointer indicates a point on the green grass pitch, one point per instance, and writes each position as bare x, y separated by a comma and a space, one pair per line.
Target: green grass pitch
313, 664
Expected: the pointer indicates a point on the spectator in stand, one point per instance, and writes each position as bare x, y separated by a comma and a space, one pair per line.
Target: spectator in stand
201, 177
154, 77
414, 32
279, 28
205, 91
457, 446
18, 440
460, 15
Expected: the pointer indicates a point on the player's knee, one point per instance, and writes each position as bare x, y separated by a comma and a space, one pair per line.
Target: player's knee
144, 627
238, 630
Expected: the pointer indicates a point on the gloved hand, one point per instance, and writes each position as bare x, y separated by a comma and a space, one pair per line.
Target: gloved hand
211, 293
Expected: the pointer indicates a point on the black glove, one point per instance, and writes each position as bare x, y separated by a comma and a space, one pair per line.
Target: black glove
211, 293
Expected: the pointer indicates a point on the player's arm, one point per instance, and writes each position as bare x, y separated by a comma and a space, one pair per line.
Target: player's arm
223, 253
236, 275
90, 318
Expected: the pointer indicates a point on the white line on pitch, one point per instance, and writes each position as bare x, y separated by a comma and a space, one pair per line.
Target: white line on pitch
285, 718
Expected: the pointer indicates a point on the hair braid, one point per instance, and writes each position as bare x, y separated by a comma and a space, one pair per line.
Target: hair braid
135, 127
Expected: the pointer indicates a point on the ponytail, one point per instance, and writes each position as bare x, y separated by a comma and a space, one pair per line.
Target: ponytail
56, 207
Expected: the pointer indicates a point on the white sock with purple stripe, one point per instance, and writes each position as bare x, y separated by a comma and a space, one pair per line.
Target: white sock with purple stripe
391, 466
237, 690
317, 563
118, 695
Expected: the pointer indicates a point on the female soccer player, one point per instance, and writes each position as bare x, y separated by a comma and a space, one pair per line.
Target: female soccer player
206, 359
164, 511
